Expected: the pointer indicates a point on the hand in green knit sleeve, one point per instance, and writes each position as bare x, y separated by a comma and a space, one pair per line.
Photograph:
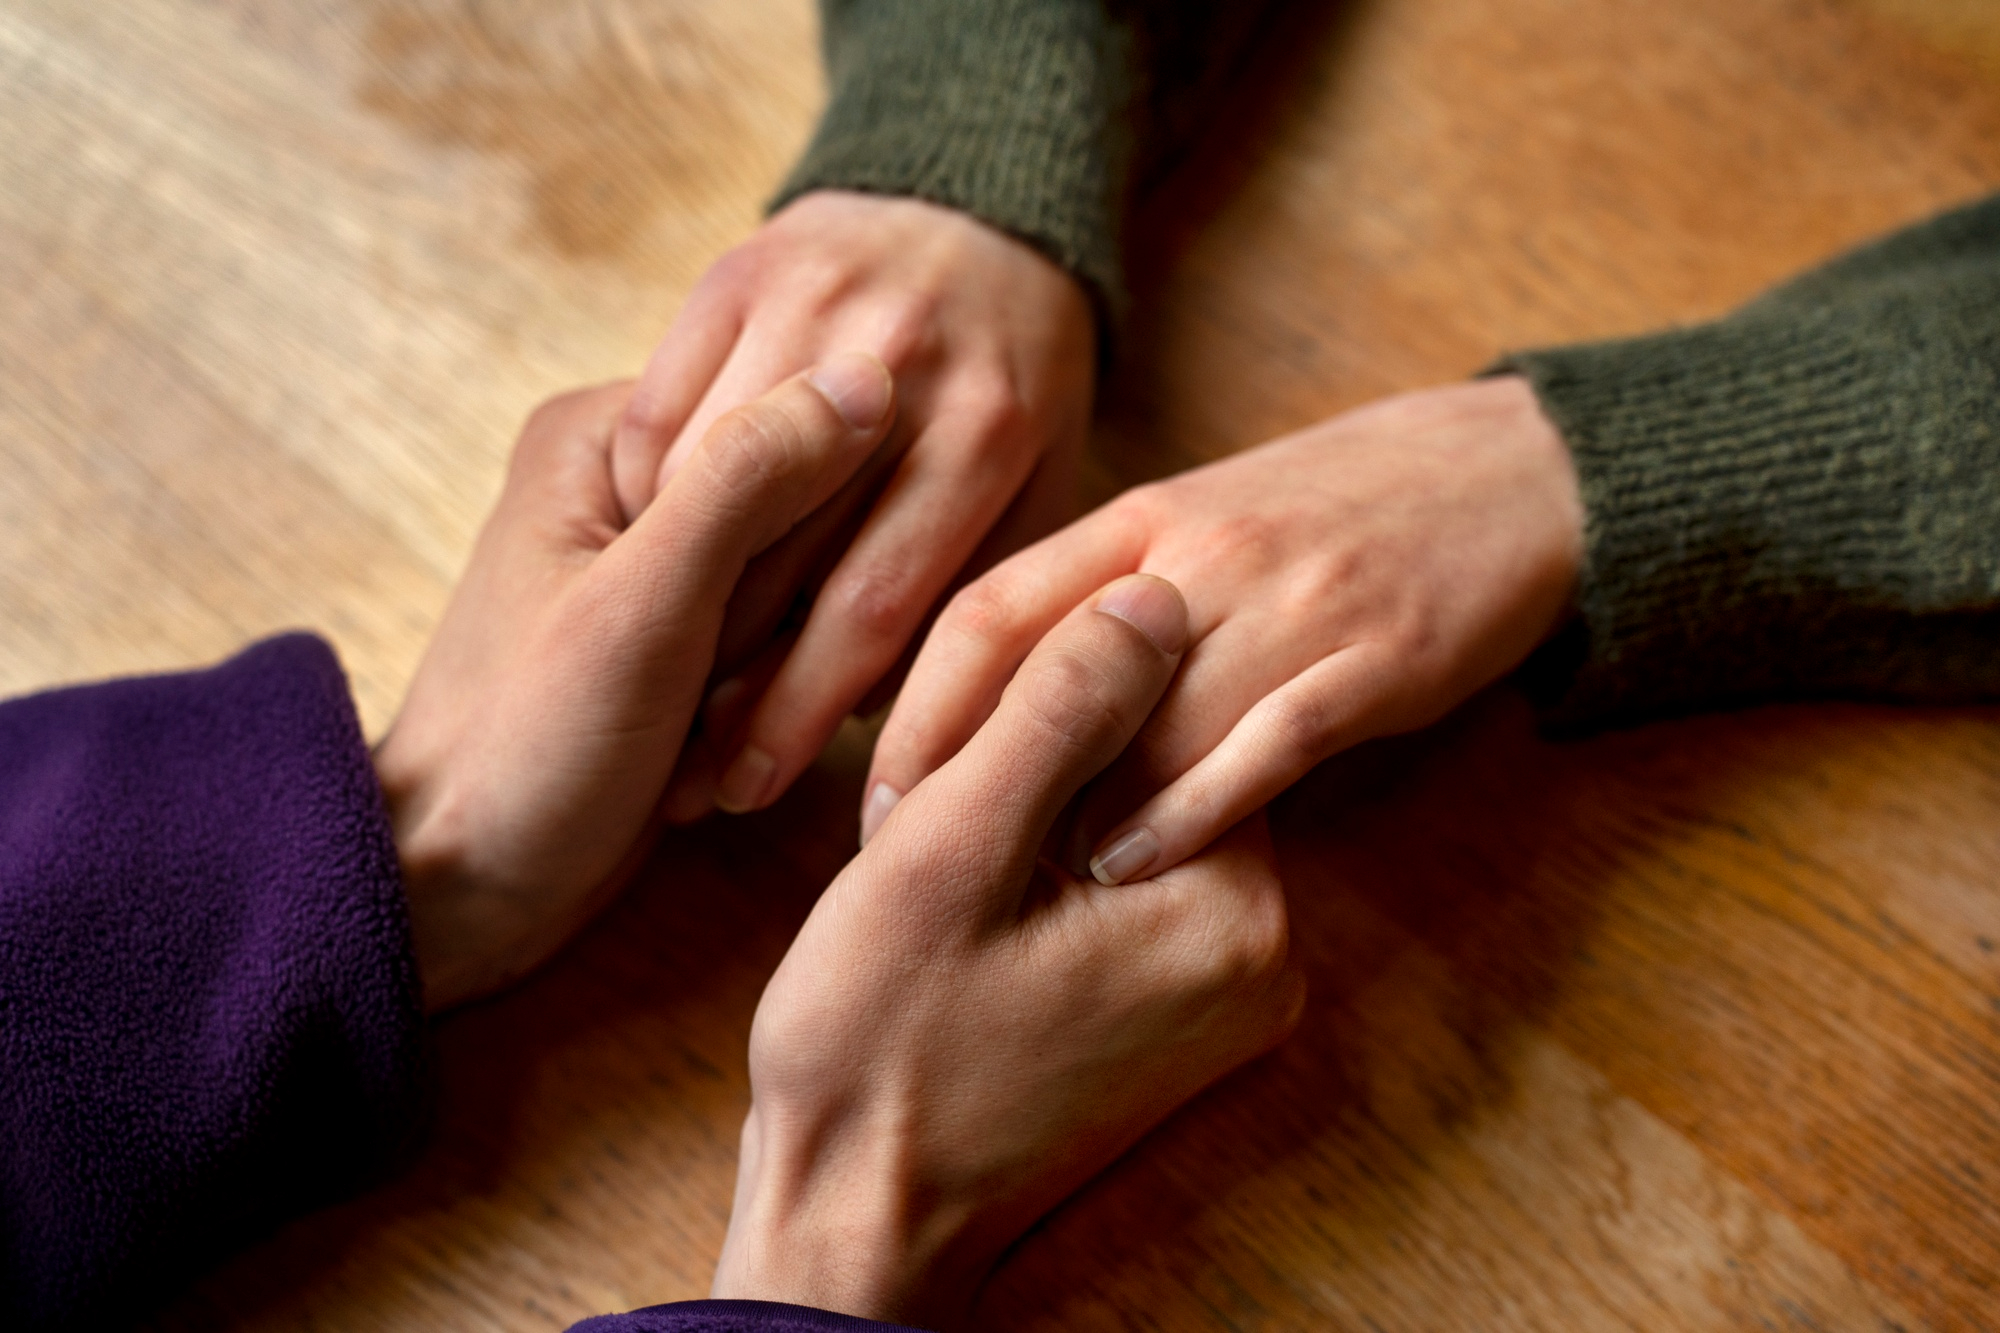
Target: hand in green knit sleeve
1799, 500
956, 216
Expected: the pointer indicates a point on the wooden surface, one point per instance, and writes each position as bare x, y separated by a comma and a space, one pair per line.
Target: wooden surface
1692, 1027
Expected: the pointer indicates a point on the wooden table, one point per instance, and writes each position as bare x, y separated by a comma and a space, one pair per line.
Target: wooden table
1690, 1027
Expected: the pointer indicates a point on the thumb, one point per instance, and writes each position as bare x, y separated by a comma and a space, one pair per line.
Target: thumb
1070, 709
765, 465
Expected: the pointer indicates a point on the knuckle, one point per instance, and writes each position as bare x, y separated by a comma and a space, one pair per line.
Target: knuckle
1061, 692
876, 600
736, 271
646, 410
1140, 512
986, 608
1074, 697
558, 423
812, 282
1250, 941
551, 415
908, 327
753, 448
1242, 541
999, 413
1288, 999
1299, 727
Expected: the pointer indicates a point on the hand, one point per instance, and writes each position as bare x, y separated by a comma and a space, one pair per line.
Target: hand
963, 1033
523, 772
992, 347
1358, 578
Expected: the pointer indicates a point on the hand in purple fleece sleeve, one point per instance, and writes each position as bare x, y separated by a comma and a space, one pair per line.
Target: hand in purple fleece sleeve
525, 772
210, 1015
963, 1032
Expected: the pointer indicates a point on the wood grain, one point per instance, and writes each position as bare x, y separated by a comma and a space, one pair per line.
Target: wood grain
1692, 1027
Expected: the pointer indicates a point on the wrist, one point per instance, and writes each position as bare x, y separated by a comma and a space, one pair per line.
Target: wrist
833, 1219
445, 933
1554, 506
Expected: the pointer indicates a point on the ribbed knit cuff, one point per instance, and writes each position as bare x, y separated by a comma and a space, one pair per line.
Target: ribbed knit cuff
1015, 111
1797, 501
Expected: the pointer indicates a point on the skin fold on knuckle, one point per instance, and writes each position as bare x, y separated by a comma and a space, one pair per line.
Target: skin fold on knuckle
1144, 510
1235, 949
645, 412
986, 612
998, 420
556, 424
1298, 729
879, 602
1076, 697
754, 456
737, 274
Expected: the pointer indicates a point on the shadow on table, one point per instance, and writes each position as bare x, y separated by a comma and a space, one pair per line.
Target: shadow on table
1442, 888
610, 1086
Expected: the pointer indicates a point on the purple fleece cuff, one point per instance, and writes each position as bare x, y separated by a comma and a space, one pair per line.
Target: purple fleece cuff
210, 1015
731, 1317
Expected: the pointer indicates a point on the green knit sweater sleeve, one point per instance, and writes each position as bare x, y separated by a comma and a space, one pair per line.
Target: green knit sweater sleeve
1799, 500
1035, 116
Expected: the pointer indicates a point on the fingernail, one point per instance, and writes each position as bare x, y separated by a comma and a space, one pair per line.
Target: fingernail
1125, 858
881, 800
1152, 607
857, 385
743, 786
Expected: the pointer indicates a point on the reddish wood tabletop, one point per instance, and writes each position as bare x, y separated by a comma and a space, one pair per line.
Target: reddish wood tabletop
1695, 1026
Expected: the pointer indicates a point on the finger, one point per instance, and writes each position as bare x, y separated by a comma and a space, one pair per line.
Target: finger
1046, 502
927, 523
780, 584
642, 622
1075, 702
724, 714
559, 456
1227, 671
651, 606
676, 376
1340, 701
982, 637
761, 358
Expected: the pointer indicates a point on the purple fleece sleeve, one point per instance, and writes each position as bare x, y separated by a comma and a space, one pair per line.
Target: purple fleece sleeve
210, 1016
732, 1317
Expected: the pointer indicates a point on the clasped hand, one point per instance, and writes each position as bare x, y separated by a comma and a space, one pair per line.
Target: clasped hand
993, 348
1357, 578
963, 1032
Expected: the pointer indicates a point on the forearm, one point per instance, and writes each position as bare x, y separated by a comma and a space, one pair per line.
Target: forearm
1800, 500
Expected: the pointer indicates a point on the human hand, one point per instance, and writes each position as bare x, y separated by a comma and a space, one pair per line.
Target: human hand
523, 773
1355, 579
992, 347
963, 1032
